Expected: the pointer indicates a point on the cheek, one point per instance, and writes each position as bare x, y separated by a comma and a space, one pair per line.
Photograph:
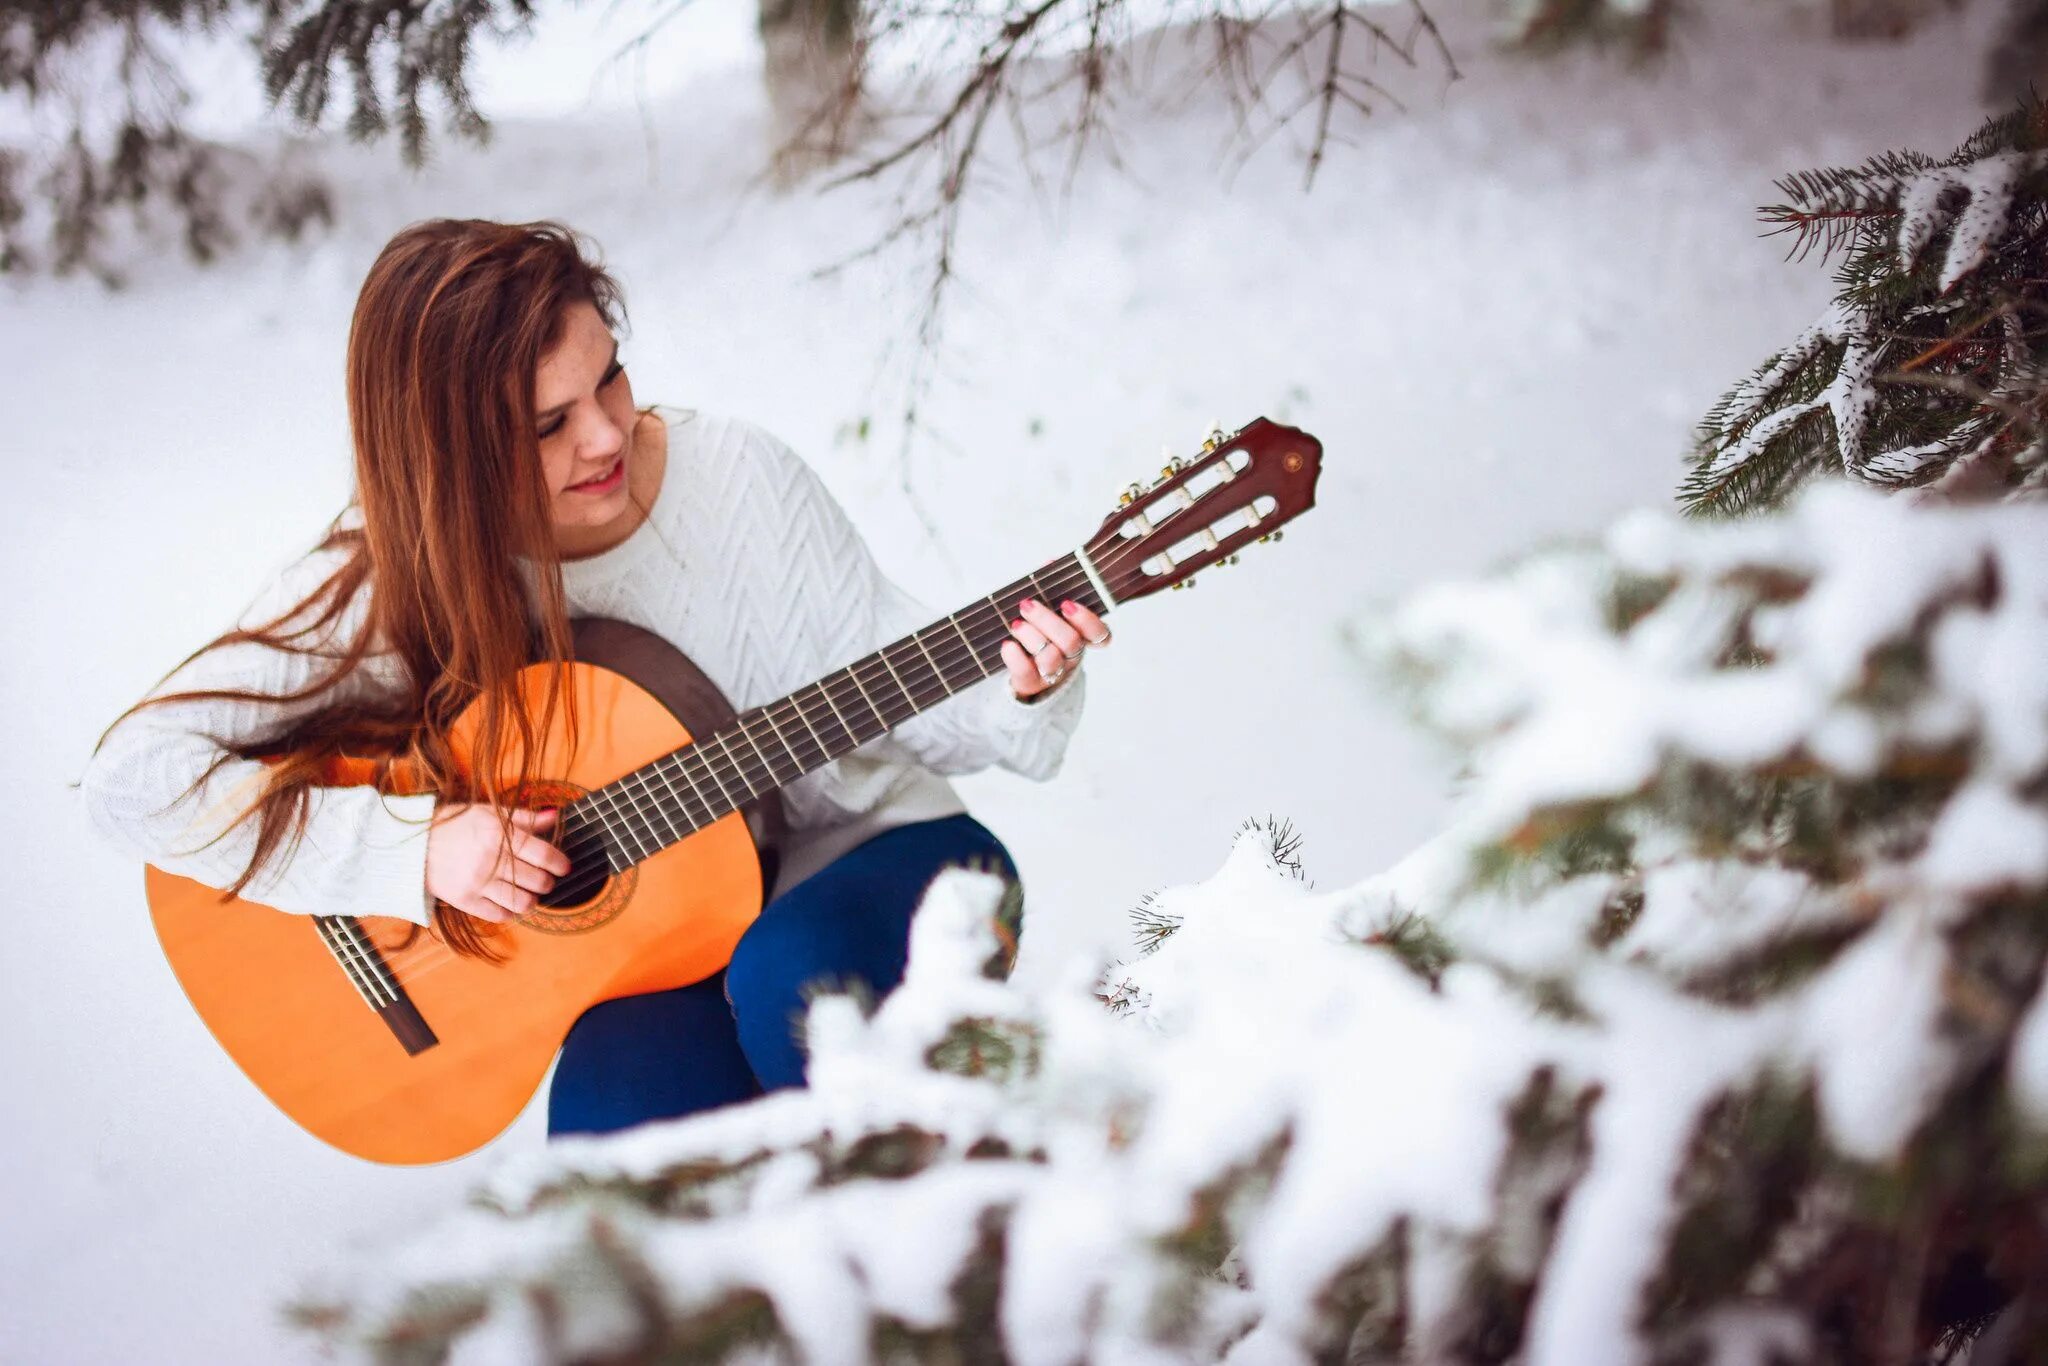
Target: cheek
554, 466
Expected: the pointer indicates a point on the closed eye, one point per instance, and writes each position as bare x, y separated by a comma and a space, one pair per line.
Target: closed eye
554, 425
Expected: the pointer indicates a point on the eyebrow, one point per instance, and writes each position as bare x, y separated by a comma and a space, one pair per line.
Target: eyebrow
559, 408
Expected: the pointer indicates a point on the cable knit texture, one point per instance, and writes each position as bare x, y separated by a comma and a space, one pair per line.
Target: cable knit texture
746, 563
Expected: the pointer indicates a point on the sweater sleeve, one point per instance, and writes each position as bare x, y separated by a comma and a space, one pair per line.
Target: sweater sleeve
362, 853
982, 725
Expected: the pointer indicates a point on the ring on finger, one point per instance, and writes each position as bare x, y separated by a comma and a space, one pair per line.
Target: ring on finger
1070, 658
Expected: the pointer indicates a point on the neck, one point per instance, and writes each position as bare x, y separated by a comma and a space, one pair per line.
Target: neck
768, 746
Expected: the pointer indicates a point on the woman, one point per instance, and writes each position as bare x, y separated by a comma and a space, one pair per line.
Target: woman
506, 481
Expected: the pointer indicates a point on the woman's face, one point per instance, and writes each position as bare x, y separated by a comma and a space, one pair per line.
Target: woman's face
584, 418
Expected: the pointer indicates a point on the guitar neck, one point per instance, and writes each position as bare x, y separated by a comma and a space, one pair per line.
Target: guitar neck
769, 746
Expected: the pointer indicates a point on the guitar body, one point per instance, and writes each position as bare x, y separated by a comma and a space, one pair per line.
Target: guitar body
273, 989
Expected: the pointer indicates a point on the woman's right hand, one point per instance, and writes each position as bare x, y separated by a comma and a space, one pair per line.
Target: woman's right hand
472, 867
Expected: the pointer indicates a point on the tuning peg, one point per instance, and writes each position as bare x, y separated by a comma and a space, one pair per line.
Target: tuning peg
1270, 536
1214, 436
1129, 495
1230, 559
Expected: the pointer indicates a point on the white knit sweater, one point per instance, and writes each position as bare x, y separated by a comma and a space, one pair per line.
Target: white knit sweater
745, 563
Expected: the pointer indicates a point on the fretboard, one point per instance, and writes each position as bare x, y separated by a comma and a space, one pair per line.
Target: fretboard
768, 746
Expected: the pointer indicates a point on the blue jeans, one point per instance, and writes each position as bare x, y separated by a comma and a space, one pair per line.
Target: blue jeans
735, 1034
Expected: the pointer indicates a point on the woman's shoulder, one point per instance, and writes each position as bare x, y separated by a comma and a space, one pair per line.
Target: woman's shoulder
724, 436
723, 464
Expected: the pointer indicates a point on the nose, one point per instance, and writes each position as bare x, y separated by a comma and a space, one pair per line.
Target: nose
603, 439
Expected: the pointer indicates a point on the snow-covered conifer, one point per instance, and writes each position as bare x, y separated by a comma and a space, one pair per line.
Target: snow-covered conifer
1714, 1029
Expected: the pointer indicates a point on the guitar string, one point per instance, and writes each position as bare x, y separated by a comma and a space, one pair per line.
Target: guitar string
1113, 563
418, 962
652, 781
650, 786
1070, 580
610, 802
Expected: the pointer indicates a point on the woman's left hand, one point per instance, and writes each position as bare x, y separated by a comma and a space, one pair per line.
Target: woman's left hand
1046, 644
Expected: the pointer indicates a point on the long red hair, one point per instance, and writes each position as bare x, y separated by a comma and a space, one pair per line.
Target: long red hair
449, 329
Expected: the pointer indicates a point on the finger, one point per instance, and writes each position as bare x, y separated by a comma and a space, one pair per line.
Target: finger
1086, 622
541, 854
520, 873
540, 819
1025, 679
1032, 638
1053, 627
483, 908
515, 900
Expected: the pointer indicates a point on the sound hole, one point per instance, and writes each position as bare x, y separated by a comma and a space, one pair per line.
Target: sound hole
579, 901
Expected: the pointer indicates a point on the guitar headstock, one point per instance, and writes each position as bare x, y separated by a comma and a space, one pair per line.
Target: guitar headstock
1243, 487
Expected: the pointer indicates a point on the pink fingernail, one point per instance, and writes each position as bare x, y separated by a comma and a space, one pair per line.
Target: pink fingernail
1017, 625
1067, 605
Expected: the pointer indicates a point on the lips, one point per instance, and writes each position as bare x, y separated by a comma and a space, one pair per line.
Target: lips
603, 483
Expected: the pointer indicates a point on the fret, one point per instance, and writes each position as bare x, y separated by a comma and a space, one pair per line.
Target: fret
972, 658
699, 755
675, 796
854, 674
635, 787
766, 766
623, 830
908, 696
627, 816
824, 751
937, 672
576, 818
711, 766
646, 807
768, 715
726, 746
681, 760
852, 742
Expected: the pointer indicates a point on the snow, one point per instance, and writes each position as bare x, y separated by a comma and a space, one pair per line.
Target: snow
1502, 311
1987, 838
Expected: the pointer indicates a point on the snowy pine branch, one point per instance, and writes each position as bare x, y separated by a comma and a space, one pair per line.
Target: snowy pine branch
1926, 368
1714, 1029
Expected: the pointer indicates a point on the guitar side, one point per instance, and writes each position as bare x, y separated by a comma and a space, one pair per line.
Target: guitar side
278, 999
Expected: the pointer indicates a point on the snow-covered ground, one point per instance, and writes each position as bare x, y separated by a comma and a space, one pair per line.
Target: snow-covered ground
1501, 311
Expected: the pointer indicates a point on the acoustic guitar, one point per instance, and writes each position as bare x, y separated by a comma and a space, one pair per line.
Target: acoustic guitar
374, 1036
